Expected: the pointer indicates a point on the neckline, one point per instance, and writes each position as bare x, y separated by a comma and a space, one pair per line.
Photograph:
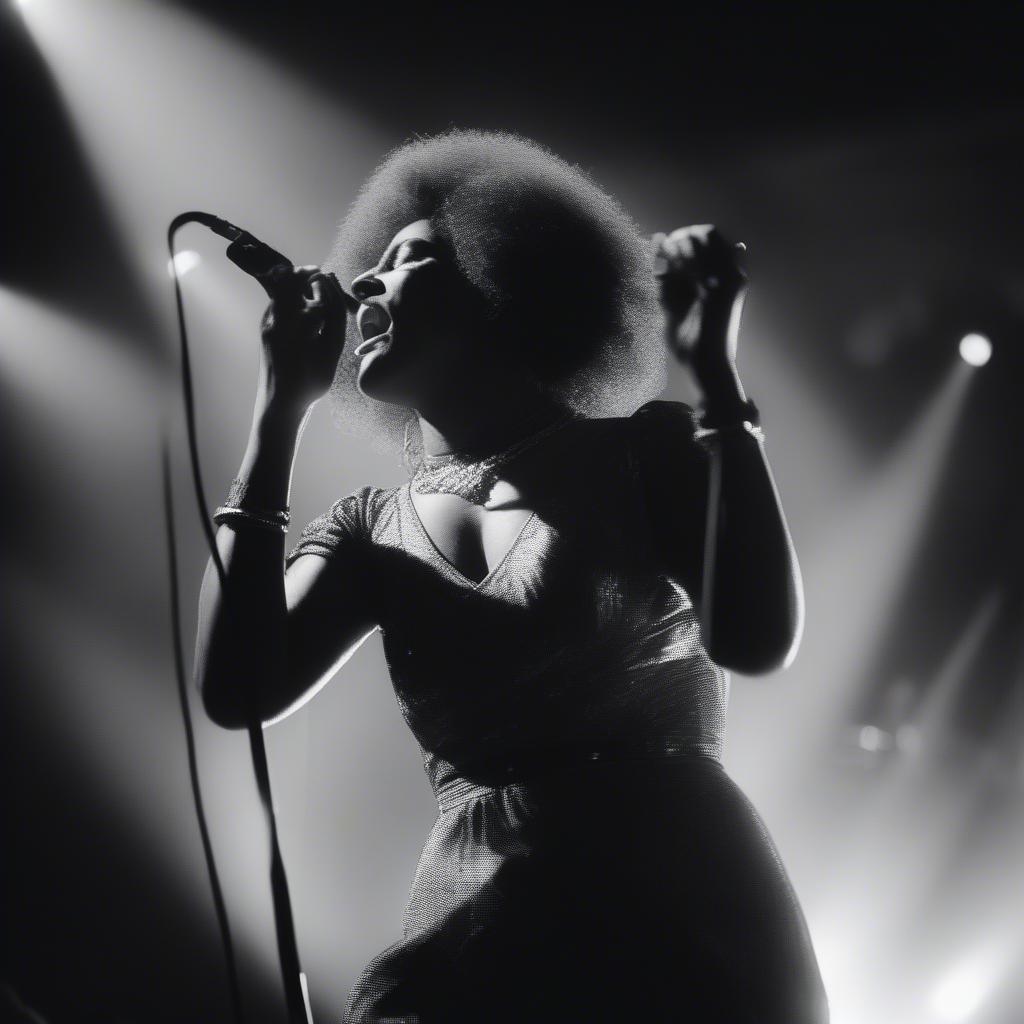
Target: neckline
473, 476
442, 560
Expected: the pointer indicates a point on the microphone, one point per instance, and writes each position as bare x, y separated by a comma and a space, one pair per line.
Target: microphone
257, 258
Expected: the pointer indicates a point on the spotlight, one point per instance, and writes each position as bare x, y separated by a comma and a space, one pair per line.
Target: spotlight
975, 349
183, 262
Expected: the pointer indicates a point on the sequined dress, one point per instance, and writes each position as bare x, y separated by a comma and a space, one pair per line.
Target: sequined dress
591, 859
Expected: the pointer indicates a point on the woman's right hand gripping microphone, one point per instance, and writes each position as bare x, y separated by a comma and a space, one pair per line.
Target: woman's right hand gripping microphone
303, 334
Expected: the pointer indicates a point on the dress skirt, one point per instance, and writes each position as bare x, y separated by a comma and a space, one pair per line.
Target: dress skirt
639, 890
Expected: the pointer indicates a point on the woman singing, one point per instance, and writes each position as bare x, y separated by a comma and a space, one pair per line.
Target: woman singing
562, 587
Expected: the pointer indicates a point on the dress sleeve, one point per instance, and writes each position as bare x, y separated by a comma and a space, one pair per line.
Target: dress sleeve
343, 528
673, 461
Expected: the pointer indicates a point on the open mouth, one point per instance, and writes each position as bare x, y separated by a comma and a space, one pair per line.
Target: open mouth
374, 324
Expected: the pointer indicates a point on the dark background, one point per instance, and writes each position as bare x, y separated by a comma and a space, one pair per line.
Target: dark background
872, 162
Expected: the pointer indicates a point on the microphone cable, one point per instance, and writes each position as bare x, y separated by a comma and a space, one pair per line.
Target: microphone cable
257, 259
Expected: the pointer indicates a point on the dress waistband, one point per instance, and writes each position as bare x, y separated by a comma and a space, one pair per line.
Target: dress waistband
493, 776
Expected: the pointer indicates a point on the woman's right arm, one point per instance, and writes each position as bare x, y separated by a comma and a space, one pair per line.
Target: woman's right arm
270, 637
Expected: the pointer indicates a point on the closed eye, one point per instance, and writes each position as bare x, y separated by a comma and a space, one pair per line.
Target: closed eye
412, 261
411, 252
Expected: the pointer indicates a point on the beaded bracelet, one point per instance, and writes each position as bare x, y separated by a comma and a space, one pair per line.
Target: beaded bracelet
270, 519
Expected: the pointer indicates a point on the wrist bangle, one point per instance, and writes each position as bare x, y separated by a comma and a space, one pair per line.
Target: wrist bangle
235, 506
271, 519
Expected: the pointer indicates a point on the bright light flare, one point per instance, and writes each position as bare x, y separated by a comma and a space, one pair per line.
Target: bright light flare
975, 349
873, 739
183, 262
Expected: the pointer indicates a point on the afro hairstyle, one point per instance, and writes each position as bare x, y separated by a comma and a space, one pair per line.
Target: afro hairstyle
564, 272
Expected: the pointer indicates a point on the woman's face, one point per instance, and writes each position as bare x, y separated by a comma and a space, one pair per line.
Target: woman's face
420, 322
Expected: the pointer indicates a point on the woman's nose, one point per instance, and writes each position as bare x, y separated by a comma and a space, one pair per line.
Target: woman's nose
366, 285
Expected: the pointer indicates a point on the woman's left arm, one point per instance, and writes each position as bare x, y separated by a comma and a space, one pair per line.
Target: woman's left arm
751, 604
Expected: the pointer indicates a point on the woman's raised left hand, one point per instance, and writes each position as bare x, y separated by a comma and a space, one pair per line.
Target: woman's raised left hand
701, 280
